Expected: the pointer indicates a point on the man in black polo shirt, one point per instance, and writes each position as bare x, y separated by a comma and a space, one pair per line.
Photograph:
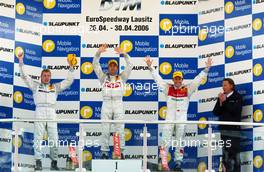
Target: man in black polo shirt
229, 108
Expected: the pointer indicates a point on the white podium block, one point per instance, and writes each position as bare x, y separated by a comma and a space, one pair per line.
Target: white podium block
117, 165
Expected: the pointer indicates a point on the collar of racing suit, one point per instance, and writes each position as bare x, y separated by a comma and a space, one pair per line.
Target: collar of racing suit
45, 84
109, 77
182, 86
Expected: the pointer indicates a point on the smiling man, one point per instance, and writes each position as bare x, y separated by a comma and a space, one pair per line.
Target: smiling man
45, 96
112, 89
177, 95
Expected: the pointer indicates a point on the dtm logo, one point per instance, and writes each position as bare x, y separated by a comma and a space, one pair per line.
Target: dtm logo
87, 68
120, 5
86, 112
202, 126
230, 51
128, 134
202, 34
258, 115
166, 24
165, 68
20, 8
18, 97
127, 90
126, 46
257, 69
48, 46
257, 24
87, 155
19, 50
49, 4
258, 161
163, 112
229, 7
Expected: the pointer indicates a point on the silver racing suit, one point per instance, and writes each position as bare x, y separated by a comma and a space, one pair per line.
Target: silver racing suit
45, 98
177, 107
112, 107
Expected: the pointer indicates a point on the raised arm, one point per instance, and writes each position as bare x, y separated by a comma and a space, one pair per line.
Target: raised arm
161, 83
193, 86
66, 83
125, 74
96, 64
32, 85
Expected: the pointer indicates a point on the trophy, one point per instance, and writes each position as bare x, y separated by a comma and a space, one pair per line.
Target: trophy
72, 59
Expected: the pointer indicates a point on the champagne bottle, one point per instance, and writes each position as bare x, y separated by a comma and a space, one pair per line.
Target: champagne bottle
68, 163
117, 149
220, 169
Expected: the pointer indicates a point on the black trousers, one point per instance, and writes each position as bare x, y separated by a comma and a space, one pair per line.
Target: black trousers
231, 150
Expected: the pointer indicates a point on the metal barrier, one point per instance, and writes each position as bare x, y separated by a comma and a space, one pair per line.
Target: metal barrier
145, 133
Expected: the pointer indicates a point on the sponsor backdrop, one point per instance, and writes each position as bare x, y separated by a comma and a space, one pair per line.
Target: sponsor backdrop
230, 31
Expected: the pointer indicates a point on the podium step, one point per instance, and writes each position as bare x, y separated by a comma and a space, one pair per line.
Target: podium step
117, 165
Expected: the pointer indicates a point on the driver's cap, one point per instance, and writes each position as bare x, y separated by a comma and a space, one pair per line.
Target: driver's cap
177, 73
112, 61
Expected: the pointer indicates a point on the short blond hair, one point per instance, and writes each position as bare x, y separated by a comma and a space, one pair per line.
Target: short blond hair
45, 71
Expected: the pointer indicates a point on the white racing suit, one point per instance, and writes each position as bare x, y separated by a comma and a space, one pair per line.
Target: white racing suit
177, 107
112, 107
45, 98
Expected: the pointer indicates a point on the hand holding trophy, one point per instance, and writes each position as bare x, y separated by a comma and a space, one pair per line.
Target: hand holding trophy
72, 60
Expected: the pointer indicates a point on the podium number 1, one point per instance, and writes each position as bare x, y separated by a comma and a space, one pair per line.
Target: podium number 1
116, 167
